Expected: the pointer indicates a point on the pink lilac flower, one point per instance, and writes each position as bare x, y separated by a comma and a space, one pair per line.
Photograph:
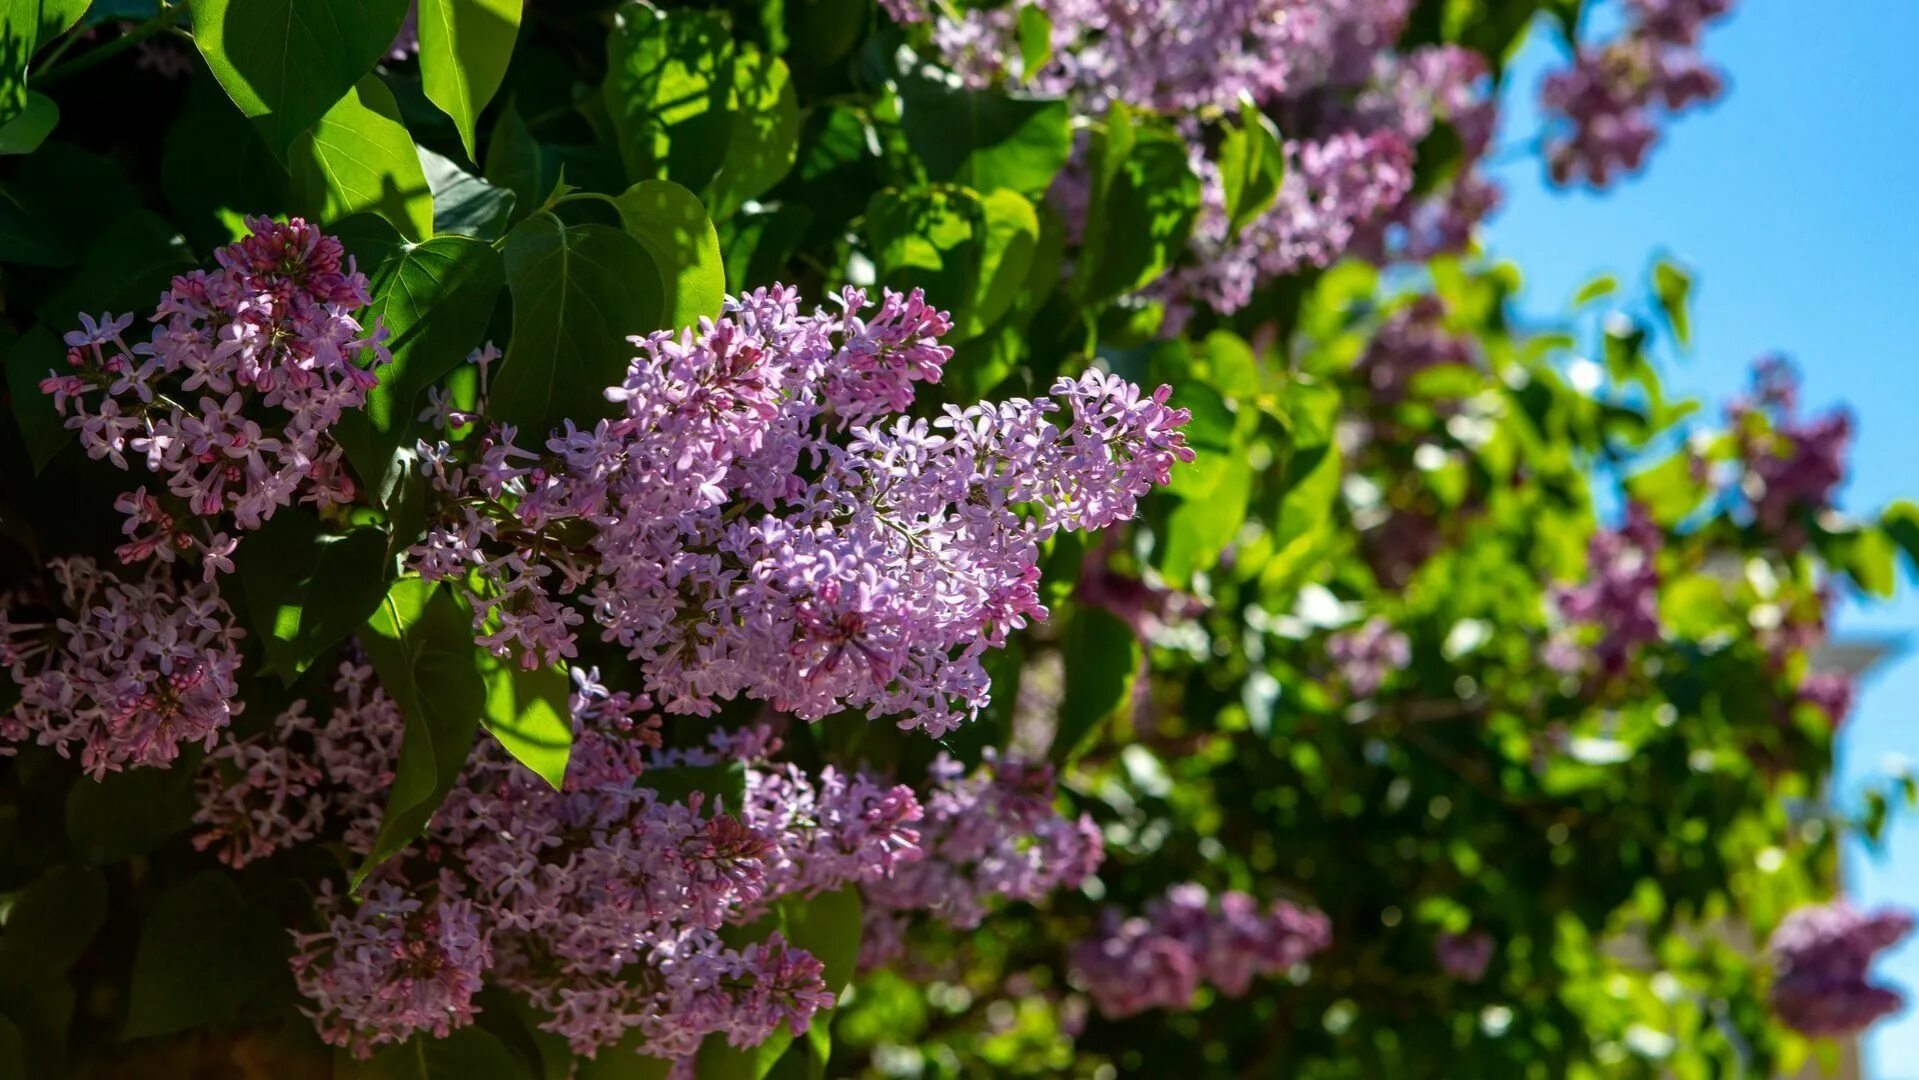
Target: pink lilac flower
1160, 958
1830, 692
1822, 955
269, 337
990, 836
1793, 465
1464, 956
1413, 340
1365, 657
130, 674
1618, 602
1608, 102
757, 522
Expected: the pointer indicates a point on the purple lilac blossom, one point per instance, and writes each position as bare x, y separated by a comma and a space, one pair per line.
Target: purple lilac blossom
1159, 959
1822, 955
271, 333
840, 556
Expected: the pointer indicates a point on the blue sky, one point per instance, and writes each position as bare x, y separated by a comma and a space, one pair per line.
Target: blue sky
1791, 201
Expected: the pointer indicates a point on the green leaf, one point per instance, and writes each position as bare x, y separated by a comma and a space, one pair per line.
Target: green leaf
828, 926
1868, 555
206, 956
1252, 166
1601, 286
32, 357
527, 712
1034, 31
469, 1053
723, 785
13, 1052
24, 133
969, 252
578, 293
359, 158
520, 163
1101, 656
25, 237
464, 203
435, 300
1672, 283
1671, 490
1900, 523
215, 163
307, 588
286, 63
668, 87
420, 642
985, 139
464, 49
47, 926
1140, 210
763, 131
672, 225
130, 813
624, 1060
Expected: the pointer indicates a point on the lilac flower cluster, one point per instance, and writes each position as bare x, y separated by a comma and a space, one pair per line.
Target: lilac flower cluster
1412, 340
130, 673
600, 904
1822, 955
1793, 466
1619, 599
990, 836
603, 904
1464, 956
1354, 110
1606, 102
753, 523
1160, 959
270, 333
1366, 656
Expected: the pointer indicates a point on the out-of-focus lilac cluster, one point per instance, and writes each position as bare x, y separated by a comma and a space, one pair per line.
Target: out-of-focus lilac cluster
1412, 340
753, 523
1355, 113
269, 337
989, 836
603, 904
1615, 610
1367, 655
1160, 958
1464, 956
1792, 465
1606, 104
129, 672
1822, 955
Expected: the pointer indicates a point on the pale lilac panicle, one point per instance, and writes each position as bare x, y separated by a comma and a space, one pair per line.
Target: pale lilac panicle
601, 904
1618, 603
1822, 955
1831, 692
987, 836
1160, 958
268, 337
1368, 655
836, 556
1335, 189
1414, 339
389, 965
1793, 465
131, 673
1608, 103
1464, 956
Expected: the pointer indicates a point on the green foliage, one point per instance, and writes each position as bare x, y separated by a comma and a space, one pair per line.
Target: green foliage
206, 956
578, 292
420, 642
307, 587
251, 46
358, 158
